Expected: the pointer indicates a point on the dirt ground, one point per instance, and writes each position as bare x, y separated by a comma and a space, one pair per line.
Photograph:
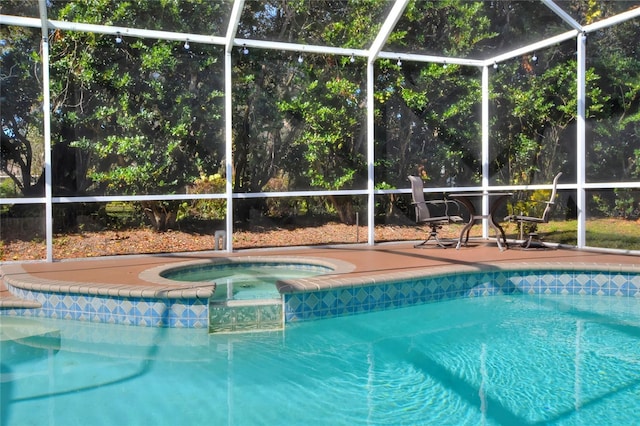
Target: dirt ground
145, 240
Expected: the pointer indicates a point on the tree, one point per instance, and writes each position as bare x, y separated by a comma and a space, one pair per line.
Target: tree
146, 114
613, 151
304, 119
427, 115
142, 116
21, 142
537, 107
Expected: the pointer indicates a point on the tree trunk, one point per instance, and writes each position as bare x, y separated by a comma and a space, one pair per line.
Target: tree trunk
344, 208
162, 215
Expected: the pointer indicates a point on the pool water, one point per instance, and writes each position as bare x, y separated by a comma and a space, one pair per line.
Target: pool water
243, 280
494, 360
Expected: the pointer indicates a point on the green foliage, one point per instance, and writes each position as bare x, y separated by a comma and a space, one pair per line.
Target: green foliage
145, 116
330, 109
21, 145
626, 205
620, 203
533, 206
205, 209
8, 188
121, 106
427, 114
120, 215
456, 26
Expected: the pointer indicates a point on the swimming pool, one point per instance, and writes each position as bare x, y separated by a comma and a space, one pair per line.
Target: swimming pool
245, 280
520, 359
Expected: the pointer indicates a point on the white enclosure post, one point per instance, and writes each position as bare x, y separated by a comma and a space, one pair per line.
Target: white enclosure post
46, 118
228, 159
370, 155
485, 147
228, 119
580, 140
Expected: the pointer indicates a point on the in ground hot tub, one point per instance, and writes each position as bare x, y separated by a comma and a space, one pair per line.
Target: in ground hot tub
245, 279
246, 295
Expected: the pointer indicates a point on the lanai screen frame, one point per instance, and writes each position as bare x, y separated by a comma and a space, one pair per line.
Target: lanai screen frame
577, 32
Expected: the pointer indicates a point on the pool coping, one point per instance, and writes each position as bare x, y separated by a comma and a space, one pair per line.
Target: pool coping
15, 276
154, 275
132, 285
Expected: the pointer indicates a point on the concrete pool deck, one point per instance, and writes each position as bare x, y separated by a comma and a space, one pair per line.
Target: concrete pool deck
129, 275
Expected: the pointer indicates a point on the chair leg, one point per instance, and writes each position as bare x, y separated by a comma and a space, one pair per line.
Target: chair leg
527, 244
531, 244
433, 236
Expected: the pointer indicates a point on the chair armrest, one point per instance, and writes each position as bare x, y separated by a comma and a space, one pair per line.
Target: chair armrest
451, 208
521, 218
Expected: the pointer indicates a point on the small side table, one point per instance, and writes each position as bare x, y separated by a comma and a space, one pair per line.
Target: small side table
496, 200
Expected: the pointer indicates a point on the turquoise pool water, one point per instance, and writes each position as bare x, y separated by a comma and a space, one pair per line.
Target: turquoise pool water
245, 280
566, 360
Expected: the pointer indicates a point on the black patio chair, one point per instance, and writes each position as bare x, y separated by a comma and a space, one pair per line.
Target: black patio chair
433, 213
534, 240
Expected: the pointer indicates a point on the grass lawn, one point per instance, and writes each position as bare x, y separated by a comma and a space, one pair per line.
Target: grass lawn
608, 233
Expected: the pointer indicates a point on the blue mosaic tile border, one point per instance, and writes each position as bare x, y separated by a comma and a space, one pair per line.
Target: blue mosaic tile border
304, 306
329, 303
147, 312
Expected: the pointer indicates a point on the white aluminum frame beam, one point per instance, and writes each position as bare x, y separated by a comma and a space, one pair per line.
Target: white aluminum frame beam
108, 29
370, 153
298, 47
532, 47
386, 29
485, 148
416, 57
234, 20
46, 118
581, 196
562, 14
